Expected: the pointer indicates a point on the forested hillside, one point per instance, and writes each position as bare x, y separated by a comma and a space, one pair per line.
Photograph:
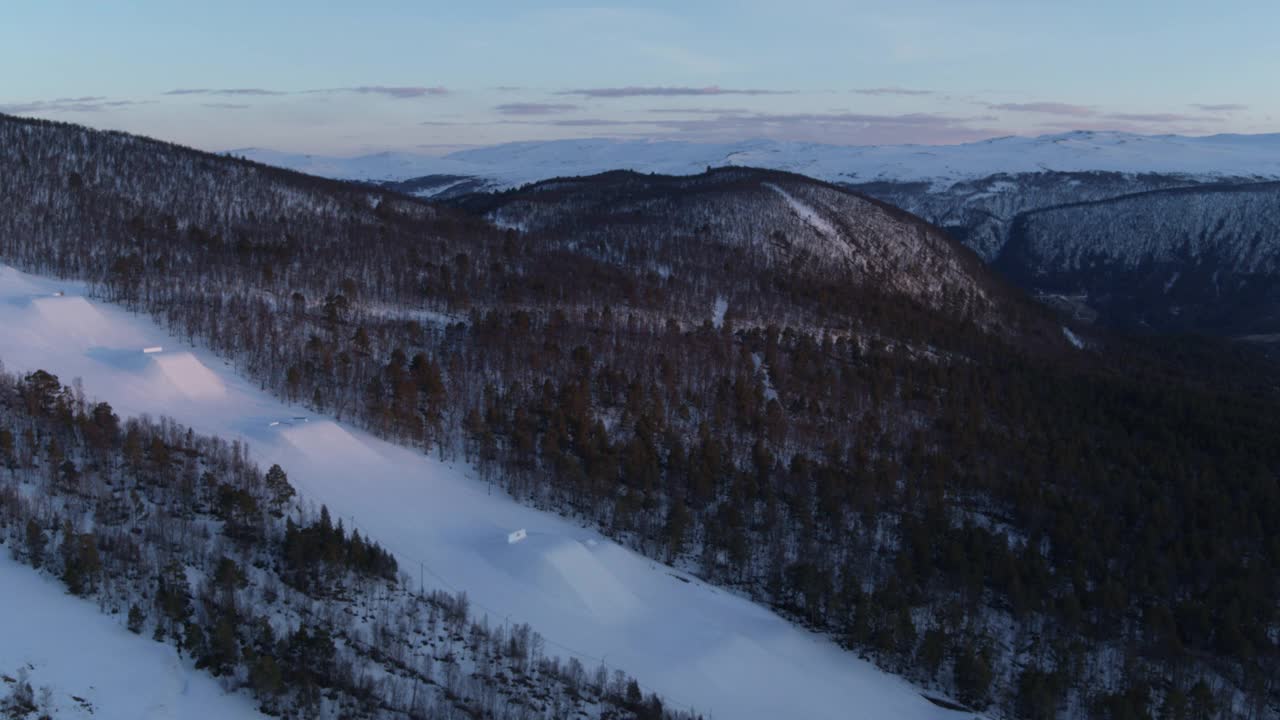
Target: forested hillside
1145, 252
796, 392
187, 542
1204, 259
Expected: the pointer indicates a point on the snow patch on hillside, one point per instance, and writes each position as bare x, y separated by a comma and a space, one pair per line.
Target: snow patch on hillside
69, 646
1072, 338
718, 311
806, 212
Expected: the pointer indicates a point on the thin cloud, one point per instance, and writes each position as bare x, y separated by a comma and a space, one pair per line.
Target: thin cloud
698, 111
533, 108
596, 122
400, 92
387, 90
1222, 107
892, 91
1047, 108
636, 91
1160, 117
225, 106
76, 104
252, 92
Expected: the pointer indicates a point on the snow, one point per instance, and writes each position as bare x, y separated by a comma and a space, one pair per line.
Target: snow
512, 164
189, 376
806, 212
69, 315
697, 645
68, 645
718, 311
1073, 338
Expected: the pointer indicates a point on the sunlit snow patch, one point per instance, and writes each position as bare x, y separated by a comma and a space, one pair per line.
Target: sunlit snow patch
329, 445
73, 317
568, 571
190, 376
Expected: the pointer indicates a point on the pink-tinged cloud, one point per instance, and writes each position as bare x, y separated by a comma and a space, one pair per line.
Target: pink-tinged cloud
1161, 117
1047, 108
1221, 107
533, 108
892, 91
634, 91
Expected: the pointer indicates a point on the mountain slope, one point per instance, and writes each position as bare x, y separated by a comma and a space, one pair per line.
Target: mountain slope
1163, 253
977, 191
773, 223
597, 603
1192, 258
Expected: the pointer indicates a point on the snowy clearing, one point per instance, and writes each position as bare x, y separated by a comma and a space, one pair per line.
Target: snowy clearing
67, 645
697, 645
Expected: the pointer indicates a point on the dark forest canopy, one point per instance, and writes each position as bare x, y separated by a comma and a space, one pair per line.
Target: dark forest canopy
877, 436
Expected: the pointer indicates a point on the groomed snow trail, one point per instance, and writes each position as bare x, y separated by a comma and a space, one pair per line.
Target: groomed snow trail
806, 212
696, 645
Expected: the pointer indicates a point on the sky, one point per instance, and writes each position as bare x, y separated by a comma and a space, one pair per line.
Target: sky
430, 77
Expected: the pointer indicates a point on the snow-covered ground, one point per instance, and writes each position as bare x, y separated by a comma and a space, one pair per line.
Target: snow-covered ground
513, 164
92, 665
698, 646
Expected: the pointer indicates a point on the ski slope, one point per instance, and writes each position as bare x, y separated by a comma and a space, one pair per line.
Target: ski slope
94, 667
512, 164
698, 646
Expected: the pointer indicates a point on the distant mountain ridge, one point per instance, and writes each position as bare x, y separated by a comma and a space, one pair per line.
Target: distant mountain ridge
513, 164
1220, 278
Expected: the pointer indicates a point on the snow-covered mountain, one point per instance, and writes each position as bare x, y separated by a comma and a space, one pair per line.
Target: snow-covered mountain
768, 220
513, 164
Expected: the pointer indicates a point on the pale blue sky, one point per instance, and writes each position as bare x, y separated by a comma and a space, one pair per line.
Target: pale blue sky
428, 76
